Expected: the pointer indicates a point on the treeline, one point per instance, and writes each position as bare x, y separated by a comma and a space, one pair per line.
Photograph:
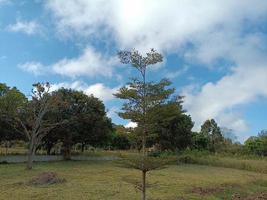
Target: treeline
211, 138
59, 120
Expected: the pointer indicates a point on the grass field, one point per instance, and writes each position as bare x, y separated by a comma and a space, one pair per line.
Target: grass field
105, 180
256, 164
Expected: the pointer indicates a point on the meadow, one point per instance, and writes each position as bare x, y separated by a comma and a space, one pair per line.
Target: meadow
106, 180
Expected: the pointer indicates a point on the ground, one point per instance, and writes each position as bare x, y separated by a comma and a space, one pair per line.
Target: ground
106, 180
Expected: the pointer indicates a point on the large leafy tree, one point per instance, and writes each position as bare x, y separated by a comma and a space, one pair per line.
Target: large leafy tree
85, 117
172, 127
11, 99
142, 97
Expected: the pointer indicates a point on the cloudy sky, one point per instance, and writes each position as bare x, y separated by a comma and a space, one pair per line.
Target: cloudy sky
215, 51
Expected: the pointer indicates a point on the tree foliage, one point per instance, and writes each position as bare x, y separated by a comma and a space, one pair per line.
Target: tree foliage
257, 145
85, 120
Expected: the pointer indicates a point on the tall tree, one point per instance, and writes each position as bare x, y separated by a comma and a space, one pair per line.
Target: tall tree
212, 131
11, 99
86, 119
32, 119
142, 97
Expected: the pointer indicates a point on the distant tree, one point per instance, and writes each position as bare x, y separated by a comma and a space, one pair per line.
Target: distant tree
50, 140
228, 134
141, 98
120, 138
212, 131
200, 141
172, 130
257, 144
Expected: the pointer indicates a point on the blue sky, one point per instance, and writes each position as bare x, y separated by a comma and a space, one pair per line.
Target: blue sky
215, 52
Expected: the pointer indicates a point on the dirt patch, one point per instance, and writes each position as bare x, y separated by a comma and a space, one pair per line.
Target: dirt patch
206, 191
258, 196
213, 190
46, 178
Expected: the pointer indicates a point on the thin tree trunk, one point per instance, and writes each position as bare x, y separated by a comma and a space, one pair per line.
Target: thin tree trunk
67, 147
67, 151
143, 185
6, 144
31, 154
82, 149
48, 150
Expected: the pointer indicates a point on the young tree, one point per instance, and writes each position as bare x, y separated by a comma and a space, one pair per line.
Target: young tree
32, 119
142, 97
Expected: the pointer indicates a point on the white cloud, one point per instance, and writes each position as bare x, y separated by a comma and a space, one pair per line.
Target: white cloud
89, 63
27, 27
131, 125
4, 2
145, 24
99, 90
112, 112
35, 68
213, 29
214, 100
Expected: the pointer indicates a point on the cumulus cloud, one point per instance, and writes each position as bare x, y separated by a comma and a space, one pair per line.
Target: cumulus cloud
27, 27
163, 25
35, 68
217, 100
89, 63
99, 90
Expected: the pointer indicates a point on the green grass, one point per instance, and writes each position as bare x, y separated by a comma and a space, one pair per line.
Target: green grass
251, 164
105, 180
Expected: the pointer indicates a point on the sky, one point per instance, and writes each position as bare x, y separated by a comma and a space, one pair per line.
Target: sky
215, 52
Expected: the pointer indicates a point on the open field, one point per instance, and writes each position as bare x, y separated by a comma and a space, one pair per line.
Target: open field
256, 164
100, 180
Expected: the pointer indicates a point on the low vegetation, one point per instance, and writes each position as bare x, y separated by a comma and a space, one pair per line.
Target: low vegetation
256, 164
106, 180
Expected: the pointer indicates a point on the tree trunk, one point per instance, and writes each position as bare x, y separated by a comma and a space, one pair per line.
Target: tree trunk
67, 151
6, 145
31, 154
67, 155
67, 147
143, 185
82, 149
48, 150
